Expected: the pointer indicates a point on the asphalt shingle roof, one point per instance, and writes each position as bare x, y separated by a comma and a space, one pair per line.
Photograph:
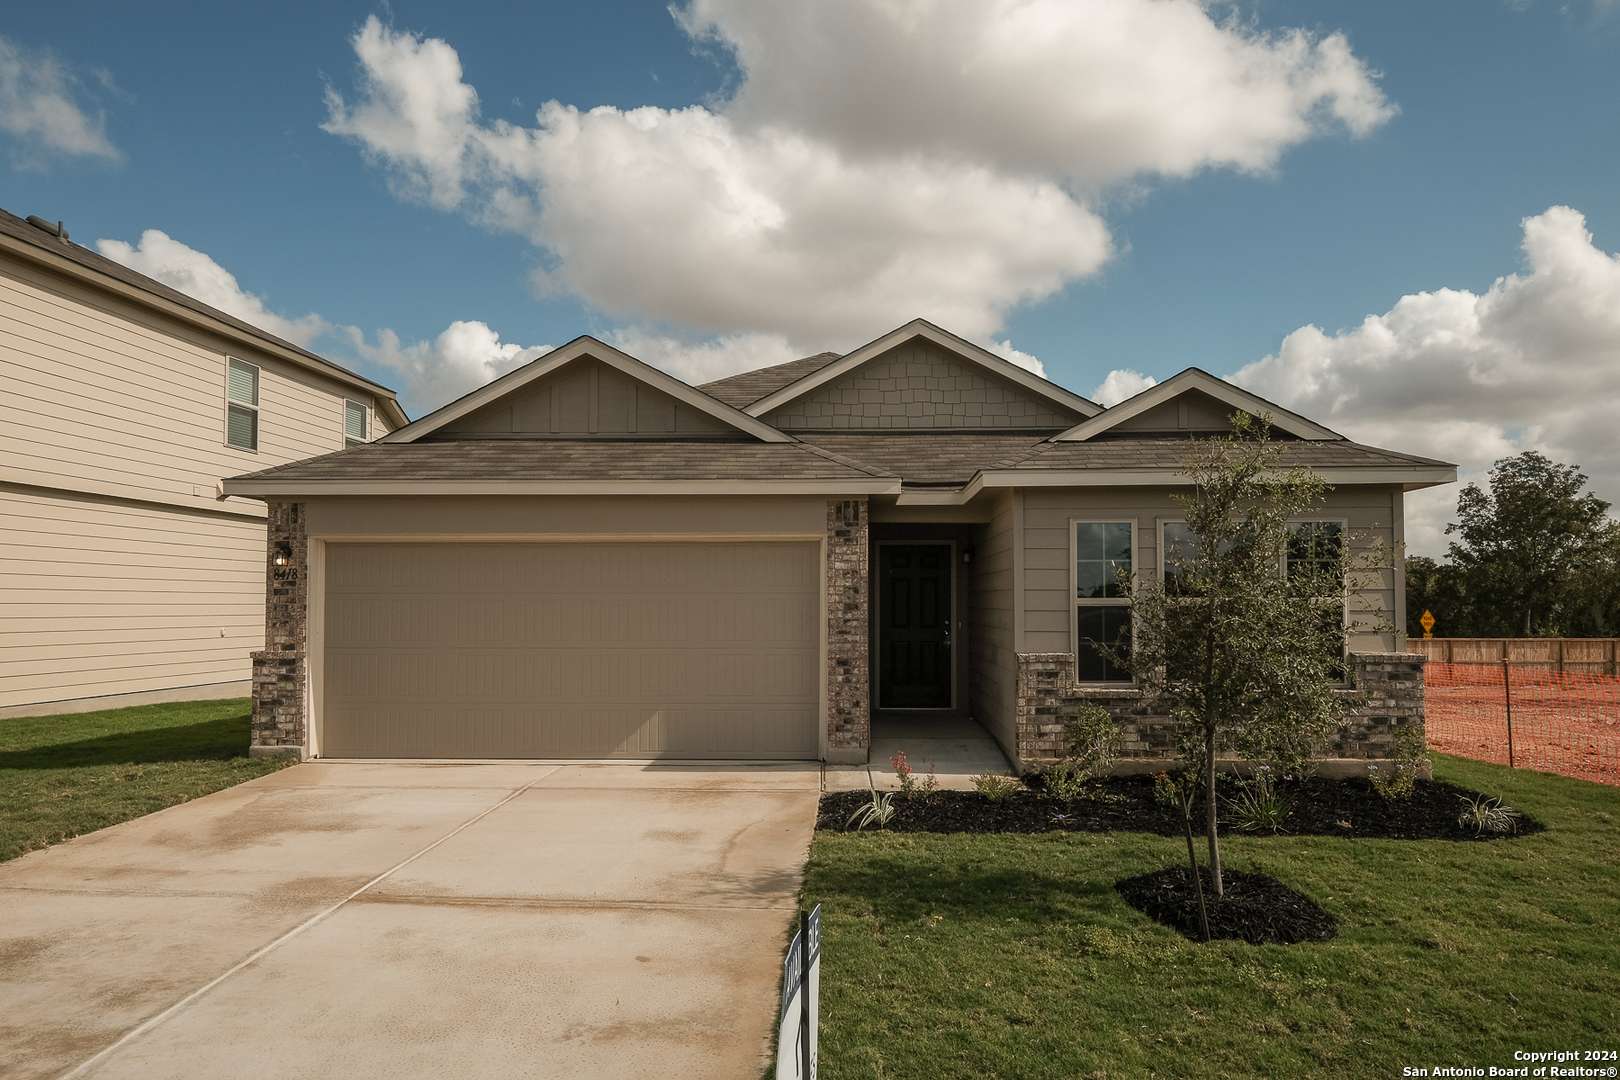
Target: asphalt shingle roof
1168, 454
935, 457
741, 391
572, 459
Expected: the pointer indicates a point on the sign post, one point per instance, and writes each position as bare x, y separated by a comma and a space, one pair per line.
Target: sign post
801, 993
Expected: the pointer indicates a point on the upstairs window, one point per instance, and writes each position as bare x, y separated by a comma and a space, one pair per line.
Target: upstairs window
1102, 617
354, 424
241, 404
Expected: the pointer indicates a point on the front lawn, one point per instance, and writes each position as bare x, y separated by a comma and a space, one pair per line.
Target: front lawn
1008, 955
66, 775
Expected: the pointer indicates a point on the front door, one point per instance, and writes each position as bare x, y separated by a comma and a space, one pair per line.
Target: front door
914, 626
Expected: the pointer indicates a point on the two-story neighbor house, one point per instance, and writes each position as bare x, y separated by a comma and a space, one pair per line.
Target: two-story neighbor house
589, 558
126, 574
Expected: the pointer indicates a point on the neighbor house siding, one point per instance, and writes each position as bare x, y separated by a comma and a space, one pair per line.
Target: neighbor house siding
994, 670
1047, 580
98, 395
122, 564
106, 597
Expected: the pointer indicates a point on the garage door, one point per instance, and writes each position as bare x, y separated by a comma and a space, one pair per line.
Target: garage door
568, 650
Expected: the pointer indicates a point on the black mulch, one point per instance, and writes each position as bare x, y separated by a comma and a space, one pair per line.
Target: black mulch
1255, 908
1349, 808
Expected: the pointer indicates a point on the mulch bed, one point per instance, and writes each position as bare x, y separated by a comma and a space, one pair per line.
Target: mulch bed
1349, 808
1255, 908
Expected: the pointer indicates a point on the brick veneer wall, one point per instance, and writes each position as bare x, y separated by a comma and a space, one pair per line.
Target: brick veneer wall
849, 714
280, 671
1390, 686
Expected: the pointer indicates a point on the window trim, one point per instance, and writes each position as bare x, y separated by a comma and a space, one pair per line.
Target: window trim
251, 408
365, 423
1076, 602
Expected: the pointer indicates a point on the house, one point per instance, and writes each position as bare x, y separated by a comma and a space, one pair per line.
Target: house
589, 558
126, 574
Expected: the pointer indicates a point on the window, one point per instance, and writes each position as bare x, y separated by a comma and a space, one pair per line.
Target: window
354, 423
1314, 548
241, 404
1102, 552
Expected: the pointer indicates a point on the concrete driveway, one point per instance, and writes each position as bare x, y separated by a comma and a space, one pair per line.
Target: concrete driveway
407, 920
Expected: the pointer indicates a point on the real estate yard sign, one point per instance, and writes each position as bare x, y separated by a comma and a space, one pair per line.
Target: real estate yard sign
801, 1000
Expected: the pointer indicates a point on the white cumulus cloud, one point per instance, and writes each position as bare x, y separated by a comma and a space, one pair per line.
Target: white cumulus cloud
426, 374
43, 105
464, 357
1120, 384
1533, 364
881, 160
165, 259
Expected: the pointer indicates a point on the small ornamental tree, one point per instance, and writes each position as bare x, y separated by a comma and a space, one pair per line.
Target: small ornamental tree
1244, 641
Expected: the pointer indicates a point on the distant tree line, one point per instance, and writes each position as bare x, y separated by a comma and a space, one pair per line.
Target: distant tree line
1534, 557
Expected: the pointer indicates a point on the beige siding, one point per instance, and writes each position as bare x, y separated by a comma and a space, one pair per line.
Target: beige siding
920, 385
586, 398
97, 395
632, 650
994, 667
1368, 511
108, 598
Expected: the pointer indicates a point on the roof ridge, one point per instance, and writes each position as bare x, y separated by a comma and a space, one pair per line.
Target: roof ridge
840, 459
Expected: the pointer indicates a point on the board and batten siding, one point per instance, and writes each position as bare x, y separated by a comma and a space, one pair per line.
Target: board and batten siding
993, 685
104, 597
1369, 512
99, 395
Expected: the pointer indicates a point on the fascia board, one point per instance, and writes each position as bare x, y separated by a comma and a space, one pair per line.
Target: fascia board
1410, 478
1005, 369
585, 345
269, 344
1197, 379
293, 489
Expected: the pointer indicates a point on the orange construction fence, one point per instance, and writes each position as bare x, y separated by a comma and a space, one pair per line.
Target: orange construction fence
1551, 721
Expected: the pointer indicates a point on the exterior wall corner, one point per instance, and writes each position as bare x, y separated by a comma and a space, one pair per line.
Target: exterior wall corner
281, 670
849, 683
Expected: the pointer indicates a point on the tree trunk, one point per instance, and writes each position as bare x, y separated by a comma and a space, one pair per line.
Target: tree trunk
1527, 611
1209, 811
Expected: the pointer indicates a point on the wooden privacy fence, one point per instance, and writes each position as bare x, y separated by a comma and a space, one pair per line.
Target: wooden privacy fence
1521, 713
1587, 656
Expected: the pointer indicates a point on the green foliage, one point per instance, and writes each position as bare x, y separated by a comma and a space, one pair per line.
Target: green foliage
1094, 738
1166, 789
68, 774
1407, 760
1259, 805
879, 812
1485, 814
1062, 780
996, 787
1241, 655
910, 786
1534, 557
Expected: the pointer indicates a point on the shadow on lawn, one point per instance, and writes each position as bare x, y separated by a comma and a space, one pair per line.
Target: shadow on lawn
208, 741
896, 892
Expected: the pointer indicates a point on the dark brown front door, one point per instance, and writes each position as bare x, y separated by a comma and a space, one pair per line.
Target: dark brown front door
914, 626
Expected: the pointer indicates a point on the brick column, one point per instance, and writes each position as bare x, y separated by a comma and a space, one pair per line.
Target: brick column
849, 682
281, 670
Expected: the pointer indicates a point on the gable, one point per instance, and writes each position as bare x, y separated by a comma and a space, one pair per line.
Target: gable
920, 385
1189, 413
586, 398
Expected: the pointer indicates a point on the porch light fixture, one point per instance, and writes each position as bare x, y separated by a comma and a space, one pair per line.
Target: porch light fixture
283, 554
967, 555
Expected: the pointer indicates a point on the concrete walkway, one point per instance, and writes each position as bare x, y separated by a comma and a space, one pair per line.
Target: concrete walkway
409, 920
959, 750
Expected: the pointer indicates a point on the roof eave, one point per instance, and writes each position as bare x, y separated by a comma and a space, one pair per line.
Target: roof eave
274, 488
1195, 378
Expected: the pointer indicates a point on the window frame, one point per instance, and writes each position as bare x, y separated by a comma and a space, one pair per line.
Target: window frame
365, 423
1076, 602
250, 408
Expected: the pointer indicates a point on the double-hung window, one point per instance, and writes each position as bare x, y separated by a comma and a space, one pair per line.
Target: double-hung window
1314, 549
241, 404
1102, 612
354, 423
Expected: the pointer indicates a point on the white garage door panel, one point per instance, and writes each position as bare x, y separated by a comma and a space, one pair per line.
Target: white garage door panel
572, 650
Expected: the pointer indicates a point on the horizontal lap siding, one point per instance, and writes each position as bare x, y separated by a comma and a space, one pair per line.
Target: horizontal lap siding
100, 395
1047, 549
991, 613
572, 650
106, 598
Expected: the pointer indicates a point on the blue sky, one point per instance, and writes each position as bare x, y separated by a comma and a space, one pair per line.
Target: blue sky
1090, 186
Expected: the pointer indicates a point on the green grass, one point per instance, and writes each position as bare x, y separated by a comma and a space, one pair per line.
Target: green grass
66, 775
1012, 956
